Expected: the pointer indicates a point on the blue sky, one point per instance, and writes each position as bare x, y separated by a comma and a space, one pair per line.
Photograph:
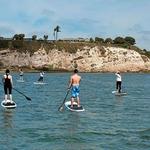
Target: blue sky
77, 18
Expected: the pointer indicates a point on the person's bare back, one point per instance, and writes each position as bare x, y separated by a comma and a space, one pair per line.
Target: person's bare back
75, 79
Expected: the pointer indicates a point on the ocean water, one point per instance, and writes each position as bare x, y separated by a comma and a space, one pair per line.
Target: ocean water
109, 122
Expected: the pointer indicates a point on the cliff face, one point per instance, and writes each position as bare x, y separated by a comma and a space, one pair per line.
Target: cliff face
96, 59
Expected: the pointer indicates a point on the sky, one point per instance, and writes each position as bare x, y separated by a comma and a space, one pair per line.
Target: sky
77, 18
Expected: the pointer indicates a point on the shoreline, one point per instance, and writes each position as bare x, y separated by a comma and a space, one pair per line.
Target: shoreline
65, 71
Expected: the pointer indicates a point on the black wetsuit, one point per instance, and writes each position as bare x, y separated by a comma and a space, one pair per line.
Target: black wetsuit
7, 85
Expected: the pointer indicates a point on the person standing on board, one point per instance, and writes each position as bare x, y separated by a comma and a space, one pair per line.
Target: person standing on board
8, 84
21, 74
41, 77
118, 82
74, 85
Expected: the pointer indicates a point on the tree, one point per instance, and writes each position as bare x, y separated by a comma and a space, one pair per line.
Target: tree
18, 37
56, 30
119, 40
21, 36
100, 40
130, 40
108, 40
45, 37
91, 40
34, 37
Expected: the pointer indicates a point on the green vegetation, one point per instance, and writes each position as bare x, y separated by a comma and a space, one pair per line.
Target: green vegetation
22, 44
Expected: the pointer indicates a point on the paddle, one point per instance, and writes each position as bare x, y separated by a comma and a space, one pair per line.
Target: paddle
28, 98
61, 106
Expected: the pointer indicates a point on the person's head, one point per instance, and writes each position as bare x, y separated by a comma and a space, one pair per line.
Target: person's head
118, 72
76, 71
7, 71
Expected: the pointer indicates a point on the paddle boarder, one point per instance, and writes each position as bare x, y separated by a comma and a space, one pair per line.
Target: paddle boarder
41, 77
74, 85
21, 74
118, 82
8, 84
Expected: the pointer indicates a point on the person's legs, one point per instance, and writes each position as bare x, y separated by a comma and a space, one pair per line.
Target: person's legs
10, 95
21, 77
40, 79
77, 95
72, 100
5, 90
5, 98
119, 85
78, 101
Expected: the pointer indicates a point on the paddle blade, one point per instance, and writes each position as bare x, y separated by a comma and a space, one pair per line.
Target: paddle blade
28, 98
60, 108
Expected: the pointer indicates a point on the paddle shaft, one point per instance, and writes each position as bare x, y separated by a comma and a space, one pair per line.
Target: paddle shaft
61, 106
28, 98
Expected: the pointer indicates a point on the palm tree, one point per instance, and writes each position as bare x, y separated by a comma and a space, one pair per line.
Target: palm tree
56, 30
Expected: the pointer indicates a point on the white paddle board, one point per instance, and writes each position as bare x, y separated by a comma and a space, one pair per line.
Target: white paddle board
75, 106
119, 94
8, 104
41, 83
20, 80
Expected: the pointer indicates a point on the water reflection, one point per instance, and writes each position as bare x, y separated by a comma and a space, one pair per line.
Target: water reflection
73, 139
7, 129
7, 119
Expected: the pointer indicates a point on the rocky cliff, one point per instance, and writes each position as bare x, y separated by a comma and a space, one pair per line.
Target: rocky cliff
87, 59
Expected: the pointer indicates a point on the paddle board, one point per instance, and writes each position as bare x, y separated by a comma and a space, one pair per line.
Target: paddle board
114, 92
75, 106
120, 94
41, 83
20, 80
8, 104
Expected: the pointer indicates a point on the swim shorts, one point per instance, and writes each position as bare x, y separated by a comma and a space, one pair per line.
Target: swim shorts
75, 91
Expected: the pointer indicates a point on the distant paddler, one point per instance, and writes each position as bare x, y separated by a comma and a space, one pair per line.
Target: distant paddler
41, 77
8, 84
118, 82
21, 74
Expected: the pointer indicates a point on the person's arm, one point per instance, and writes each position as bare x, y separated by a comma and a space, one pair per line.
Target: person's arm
118, 75
80, 79
11, 81
70, 83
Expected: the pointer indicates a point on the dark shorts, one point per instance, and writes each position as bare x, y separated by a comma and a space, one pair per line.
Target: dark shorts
8, 89
40, 79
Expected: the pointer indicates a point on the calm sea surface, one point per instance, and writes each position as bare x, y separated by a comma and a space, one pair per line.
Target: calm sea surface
109, 123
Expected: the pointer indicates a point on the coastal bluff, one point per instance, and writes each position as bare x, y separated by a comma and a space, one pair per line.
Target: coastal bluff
86, 59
